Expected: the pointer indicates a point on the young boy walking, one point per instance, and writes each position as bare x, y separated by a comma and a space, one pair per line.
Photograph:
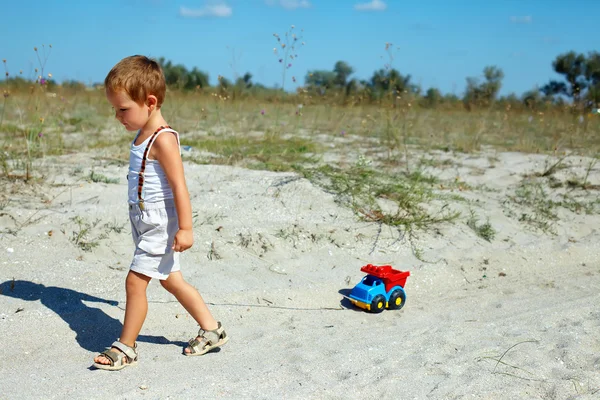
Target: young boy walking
159, 210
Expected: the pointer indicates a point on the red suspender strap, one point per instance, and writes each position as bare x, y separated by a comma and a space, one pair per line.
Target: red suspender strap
143, 167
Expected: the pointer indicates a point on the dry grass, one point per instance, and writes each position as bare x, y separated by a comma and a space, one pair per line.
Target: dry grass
308, 135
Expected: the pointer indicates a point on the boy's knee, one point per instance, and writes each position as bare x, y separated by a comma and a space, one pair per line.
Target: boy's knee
136, 282
167, 285
173, 284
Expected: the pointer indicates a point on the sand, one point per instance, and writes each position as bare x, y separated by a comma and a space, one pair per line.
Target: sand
517, 317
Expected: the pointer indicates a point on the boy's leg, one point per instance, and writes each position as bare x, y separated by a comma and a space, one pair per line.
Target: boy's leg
190, 299
136, 309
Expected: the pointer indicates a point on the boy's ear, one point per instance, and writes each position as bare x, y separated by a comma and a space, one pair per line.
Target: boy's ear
152, 101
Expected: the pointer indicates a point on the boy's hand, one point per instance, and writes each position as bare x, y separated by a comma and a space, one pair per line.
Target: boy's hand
184, 239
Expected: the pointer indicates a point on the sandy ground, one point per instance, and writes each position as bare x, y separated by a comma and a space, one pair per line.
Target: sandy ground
515, 318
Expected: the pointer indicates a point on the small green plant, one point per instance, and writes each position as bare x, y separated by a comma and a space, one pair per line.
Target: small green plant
485, 231
536, 209
584, 184
551, 167
88, 235
292, 234
114, 227
95, 177
81, 237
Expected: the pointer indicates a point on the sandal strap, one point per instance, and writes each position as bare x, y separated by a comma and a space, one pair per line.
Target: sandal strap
111, 355
199, 345
213, 336
130, 352
207, 338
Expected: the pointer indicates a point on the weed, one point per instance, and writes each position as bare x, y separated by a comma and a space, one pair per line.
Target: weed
536, 208
4, 201
515, 371
390, 198
259, 243
212, 253
95, 177
485, 231
583, 183
82, 236
114, 227
551, 167
209, 219
292, 234
88, 235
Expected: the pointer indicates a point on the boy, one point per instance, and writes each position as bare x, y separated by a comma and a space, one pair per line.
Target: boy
159, 210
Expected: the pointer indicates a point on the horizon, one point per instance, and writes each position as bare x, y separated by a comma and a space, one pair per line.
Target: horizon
226, 38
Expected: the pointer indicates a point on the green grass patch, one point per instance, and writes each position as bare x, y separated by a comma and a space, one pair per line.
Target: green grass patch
390, 198
96, 177
268, 152
485, 230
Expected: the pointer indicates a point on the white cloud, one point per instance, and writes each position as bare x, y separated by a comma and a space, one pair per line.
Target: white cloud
526, 19
289, 4
220, 10
373, 5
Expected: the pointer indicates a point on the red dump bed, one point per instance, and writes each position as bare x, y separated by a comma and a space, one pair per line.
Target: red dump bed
391, 277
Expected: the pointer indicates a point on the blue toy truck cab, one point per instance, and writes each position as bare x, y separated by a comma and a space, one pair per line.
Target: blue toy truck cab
383, 287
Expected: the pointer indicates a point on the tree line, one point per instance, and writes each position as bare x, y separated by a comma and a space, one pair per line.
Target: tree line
578, 89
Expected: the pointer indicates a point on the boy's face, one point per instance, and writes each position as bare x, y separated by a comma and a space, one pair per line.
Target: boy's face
132, 115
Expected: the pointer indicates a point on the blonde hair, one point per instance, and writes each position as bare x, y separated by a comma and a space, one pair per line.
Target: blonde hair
139, 77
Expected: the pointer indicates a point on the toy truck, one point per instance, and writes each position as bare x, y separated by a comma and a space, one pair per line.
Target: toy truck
383, 287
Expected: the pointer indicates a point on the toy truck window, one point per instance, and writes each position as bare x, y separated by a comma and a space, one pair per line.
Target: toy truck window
371, 281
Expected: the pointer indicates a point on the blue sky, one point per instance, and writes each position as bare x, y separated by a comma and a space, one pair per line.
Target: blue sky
438, 42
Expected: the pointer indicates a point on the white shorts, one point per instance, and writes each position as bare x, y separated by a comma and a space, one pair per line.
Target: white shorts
153, 230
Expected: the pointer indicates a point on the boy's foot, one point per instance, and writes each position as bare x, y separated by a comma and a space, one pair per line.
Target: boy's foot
117, 357
206, 341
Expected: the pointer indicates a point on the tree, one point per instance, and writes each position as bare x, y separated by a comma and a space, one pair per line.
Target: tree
592, 74
342, 72
493, 81
432, 97
483, 93
320, 79
196, 79
572, 66
532, 99
582, 78
553, 88
179, 76
384, 80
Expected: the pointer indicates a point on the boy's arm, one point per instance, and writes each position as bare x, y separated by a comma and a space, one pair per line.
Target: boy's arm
166, 151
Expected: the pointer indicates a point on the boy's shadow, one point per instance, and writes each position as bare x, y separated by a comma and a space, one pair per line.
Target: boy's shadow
94, 329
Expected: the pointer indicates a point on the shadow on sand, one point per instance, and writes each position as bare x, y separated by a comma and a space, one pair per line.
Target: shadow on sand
94, 329
345, 303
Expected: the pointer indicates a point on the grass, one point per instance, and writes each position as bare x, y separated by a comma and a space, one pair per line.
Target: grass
509, 369
485, 231
268, 152
363, 153
87, 235
96, 177
387, 197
